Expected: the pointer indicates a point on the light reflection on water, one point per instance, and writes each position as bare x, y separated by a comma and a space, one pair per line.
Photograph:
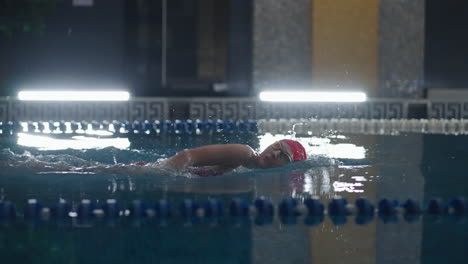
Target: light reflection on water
44, 142
359, 178
320, 182
327, 182
313, 145
347, 187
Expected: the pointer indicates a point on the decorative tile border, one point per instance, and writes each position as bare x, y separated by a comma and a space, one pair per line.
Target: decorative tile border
226, 108
136, 109
448, 110
215, 108
235, 109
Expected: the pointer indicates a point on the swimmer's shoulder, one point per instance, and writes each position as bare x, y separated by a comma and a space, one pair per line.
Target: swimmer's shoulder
224, 153
243, 149
221, 149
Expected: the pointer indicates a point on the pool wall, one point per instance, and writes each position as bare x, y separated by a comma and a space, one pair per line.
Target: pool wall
235, 108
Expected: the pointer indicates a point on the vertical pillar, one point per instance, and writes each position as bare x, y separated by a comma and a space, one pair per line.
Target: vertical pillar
212, 40
206, 45
401, 48
344, 45
239, 54
281, 48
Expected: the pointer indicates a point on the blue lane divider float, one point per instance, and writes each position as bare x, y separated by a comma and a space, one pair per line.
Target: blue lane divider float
261, 211
111, 209
180, 127
60, 210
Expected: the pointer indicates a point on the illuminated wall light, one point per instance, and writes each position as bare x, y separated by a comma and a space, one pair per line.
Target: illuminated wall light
313, 96
73, 96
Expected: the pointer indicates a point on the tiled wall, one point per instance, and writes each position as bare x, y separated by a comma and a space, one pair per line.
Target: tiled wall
401, 48
281, 43
377, 46
225, 108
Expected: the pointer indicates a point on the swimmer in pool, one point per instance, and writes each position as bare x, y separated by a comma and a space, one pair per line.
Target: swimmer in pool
216, 160
211, 160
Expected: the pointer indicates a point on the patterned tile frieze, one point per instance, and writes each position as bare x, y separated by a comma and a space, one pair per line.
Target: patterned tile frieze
448, 110
225, 108
136, 109
144, 109
237, 108
209, 108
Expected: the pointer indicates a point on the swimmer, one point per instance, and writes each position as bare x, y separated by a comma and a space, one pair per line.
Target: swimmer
213, 160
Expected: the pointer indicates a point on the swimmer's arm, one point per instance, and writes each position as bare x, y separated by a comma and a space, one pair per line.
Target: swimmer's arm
211, 170
230, 155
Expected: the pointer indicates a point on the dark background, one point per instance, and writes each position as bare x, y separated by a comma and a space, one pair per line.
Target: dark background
446, 44
116, 44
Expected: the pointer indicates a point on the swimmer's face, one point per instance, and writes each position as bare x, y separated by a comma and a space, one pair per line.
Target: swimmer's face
275, 155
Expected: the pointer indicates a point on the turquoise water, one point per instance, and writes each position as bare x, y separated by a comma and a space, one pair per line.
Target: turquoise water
397, 167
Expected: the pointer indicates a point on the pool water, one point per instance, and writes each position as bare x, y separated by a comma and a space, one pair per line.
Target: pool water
395, 167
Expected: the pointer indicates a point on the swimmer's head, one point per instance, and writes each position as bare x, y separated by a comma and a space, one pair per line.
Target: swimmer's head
282, 152
298, 151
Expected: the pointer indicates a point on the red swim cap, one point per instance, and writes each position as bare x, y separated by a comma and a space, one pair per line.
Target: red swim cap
298, 151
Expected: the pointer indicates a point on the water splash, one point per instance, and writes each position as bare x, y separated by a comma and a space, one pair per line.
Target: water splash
293, 132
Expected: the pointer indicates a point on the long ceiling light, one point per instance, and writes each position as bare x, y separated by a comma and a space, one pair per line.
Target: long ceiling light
73, 96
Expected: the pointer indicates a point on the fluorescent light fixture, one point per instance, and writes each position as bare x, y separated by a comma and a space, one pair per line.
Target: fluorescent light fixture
73, 96
313, 96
